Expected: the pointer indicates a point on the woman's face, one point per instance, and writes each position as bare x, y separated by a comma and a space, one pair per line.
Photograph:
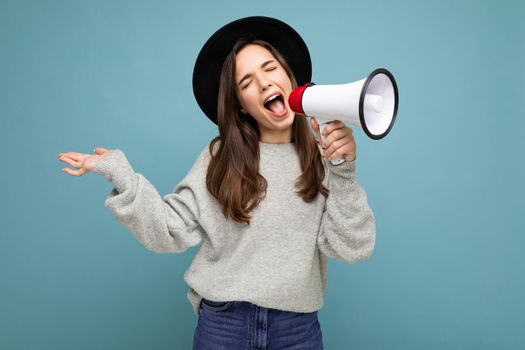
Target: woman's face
259, 76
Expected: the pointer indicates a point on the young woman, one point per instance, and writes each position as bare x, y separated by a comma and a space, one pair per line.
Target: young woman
266, 207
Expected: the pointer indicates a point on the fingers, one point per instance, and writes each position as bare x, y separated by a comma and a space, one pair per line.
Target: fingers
74, 172
100, 150
79, 156
334, 136
338, 142
315, 127
327, 131
70, 159
336, 124
74, 159
314, 124
74, 155
337, 148
336, 132
81, 161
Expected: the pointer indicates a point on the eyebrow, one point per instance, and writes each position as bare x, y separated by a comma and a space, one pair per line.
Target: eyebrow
249, 75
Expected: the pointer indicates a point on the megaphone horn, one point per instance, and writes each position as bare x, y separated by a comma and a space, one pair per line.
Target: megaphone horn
370, 103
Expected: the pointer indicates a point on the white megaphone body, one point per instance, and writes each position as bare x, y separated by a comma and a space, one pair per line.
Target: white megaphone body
370, 103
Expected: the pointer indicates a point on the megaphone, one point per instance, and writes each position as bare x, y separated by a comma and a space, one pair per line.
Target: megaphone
370, 103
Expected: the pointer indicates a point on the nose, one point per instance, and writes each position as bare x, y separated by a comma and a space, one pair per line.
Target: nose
265, 85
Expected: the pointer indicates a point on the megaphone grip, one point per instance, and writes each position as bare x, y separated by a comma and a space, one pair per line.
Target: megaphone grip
338, 160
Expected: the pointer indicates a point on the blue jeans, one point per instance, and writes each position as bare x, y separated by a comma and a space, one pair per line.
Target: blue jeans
236, 325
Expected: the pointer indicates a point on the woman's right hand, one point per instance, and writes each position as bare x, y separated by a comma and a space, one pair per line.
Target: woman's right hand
83, 162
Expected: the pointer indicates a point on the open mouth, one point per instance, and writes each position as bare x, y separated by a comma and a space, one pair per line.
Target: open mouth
275, 104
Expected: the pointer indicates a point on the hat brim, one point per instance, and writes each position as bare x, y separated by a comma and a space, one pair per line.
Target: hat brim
209, 62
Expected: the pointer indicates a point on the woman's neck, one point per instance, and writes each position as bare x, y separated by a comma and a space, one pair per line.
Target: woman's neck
276, 136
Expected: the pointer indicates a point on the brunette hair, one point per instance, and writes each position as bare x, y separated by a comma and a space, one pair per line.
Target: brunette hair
233, 172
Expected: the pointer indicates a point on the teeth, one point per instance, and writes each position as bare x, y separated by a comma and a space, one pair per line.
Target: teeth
271, 98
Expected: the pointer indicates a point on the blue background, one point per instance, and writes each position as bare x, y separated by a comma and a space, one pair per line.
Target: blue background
446, 185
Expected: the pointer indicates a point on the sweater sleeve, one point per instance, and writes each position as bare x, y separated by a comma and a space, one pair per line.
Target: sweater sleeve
168, 224
347, 231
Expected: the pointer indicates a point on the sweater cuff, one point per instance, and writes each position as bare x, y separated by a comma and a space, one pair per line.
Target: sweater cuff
345, 170
115, 167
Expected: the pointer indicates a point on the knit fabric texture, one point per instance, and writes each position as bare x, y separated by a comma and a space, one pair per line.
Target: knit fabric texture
277, 261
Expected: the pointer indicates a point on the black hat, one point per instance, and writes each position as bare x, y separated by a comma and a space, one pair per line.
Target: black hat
208, 66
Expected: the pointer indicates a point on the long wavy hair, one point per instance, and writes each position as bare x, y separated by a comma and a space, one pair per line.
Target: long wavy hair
233, 176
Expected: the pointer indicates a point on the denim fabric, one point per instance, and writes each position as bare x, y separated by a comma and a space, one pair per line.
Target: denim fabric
236, 325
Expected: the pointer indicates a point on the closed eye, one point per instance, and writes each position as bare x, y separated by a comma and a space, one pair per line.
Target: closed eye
268, 70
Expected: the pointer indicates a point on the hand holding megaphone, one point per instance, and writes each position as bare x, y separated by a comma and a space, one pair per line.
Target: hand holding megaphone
345, 139
370, 103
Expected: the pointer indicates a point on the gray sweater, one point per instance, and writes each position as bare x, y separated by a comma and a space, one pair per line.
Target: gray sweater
278, 261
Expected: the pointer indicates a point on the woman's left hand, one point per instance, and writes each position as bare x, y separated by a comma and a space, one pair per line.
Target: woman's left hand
338, 140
